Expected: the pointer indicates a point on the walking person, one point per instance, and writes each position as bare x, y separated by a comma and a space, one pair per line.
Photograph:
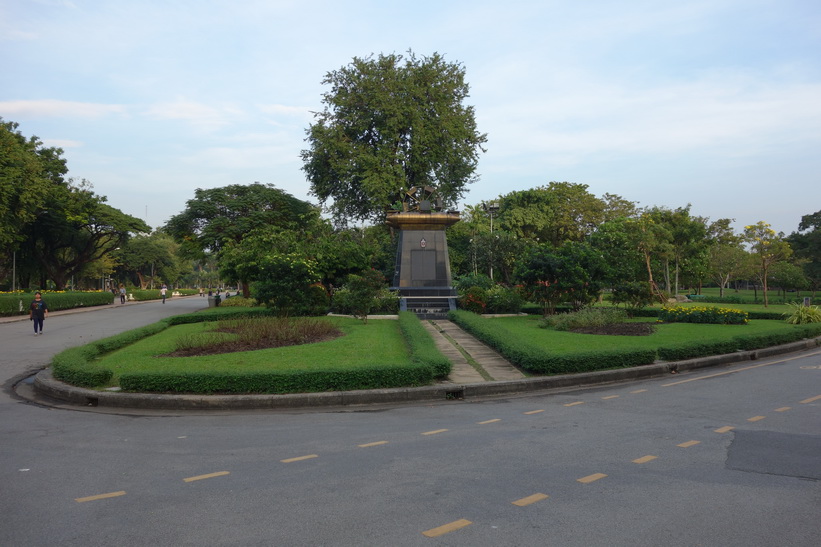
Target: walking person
38, 311
122, 293
163, 291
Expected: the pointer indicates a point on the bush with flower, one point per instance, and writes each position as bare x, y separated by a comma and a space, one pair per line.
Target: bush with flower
703, 314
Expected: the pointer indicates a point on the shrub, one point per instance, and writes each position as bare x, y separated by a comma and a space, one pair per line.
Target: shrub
703, 314
238, 302
800, 315
473, 300
385, 302
584, 318
634, 295
465, 282
501, 299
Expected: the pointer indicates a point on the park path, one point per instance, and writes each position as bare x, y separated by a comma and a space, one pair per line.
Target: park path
473, 361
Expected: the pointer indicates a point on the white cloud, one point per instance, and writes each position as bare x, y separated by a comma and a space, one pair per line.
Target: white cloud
199, 114
62, 143
58, 108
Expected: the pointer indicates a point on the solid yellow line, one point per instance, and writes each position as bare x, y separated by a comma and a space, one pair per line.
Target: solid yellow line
530, 499
300, 458
639, 391
434, 432
741, 370
688, 444
446, 528
810, 400
208, 476
490, 421
534, 411
574, 404
610, 397
756, 418
783, 409
100, 496
591, 478
724, 429
368, 445
645, 459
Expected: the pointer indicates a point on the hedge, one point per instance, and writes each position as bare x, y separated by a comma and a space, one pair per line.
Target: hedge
18, 303
75, 366
535, 359
422, 347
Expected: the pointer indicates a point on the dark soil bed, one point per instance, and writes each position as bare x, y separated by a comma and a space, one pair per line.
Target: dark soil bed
620, 329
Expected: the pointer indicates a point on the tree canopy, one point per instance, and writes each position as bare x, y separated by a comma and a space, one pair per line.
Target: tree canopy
390, 123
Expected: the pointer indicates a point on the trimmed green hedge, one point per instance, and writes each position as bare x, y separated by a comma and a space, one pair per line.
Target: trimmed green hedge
18, 304
422, 347
76, 365
534, 359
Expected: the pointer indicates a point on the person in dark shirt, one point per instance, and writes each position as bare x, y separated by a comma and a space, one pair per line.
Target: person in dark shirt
38, 311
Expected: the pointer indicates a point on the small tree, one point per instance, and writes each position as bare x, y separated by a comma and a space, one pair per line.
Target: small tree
362, 290
768, 248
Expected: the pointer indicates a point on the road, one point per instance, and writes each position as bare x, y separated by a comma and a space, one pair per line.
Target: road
729, 456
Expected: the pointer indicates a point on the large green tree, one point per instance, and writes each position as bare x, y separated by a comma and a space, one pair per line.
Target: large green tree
558, 213
74, 228
218, 216
390, 123
806, 243
29, 173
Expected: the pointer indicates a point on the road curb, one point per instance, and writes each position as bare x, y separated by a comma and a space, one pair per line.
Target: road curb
45, 384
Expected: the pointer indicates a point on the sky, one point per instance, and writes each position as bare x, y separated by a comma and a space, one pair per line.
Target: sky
711, 103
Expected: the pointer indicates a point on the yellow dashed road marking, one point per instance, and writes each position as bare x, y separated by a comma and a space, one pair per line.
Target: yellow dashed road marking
688, 444
645, 459
377, 443
591, 478
534, 411
530, 499
208, 476
490, 421
434, 432
724, 429
639, 391
574, 404
446, 528
783, 409
810, 400
756, 418
300, 458
100, 496
610, 397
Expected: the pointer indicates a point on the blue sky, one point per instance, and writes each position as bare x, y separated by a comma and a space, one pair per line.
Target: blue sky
715, 103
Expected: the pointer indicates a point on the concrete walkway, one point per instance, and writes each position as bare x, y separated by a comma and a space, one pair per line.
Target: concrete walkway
472, 360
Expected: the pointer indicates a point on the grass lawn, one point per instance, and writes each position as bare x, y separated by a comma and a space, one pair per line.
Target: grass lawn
526, 329
379, 342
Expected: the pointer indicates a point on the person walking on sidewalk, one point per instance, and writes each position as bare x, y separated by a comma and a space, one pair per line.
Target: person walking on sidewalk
38, 311
163, 291
122, 293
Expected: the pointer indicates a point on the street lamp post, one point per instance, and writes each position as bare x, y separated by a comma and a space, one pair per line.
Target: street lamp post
491, 208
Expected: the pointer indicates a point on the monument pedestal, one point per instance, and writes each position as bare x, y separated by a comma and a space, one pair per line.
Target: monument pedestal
422, 276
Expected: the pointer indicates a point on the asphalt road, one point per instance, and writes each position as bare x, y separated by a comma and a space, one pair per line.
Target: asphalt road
729, 456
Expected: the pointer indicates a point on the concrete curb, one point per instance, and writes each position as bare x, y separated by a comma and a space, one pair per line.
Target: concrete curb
45, 384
